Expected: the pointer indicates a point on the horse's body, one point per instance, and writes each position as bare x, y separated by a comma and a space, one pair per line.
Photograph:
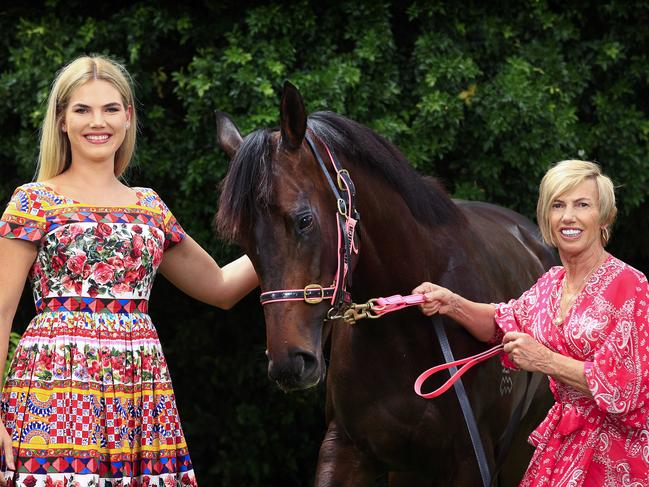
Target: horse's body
276, 204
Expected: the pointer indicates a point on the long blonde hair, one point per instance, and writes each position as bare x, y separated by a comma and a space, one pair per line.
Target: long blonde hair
54, 156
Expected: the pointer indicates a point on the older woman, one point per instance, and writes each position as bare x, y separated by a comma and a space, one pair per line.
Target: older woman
584, 324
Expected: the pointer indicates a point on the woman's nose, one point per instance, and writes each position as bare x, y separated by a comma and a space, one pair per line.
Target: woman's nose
568, 215
97, 119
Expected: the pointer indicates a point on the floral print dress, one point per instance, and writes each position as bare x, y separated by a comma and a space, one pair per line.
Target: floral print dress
601, 439
88, 400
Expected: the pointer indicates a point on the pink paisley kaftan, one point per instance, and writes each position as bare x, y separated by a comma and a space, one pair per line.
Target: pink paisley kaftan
601, 440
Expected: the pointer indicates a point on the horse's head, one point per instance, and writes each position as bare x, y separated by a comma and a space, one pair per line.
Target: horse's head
277, 205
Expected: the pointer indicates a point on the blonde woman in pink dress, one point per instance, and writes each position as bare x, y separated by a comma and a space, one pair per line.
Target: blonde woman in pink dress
88, 400
585, 325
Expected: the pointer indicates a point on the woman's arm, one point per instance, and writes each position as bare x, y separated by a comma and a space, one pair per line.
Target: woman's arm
192, 270
16, 258
476, 318
530, 355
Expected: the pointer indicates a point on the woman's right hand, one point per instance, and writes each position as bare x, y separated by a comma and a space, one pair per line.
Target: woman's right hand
438, 299
5, 445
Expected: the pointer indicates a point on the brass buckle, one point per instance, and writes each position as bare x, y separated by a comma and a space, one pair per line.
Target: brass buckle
342, 208
339, 180
317, 299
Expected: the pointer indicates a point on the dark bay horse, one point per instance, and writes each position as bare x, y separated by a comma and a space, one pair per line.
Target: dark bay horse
276, 203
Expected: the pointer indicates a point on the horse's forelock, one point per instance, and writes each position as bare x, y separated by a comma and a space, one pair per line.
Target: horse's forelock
247, 187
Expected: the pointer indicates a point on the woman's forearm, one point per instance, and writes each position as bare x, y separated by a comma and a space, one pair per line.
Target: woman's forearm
192, 270
476, 318
567, 370
239, 279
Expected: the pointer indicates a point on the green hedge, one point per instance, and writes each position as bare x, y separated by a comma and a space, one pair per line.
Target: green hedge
484, 97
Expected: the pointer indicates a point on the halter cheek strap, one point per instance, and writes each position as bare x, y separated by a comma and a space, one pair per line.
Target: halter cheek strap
346, 217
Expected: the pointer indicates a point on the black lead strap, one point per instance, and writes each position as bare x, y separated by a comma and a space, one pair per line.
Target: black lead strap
467, 411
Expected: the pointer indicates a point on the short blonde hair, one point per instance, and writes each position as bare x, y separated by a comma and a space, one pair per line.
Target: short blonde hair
54, 156
563, 177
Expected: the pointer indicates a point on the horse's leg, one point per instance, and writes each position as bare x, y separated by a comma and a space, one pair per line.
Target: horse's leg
407, 479
341, 464
465, 474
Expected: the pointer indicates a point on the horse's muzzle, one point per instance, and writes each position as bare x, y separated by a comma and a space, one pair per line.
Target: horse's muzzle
300, 370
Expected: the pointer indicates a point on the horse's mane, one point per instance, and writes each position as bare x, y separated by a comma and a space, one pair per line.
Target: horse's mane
249, 183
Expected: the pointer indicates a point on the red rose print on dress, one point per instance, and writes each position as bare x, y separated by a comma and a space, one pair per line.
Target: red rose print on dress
103, 273
138, 242
121, 288
76, 263
132, 262
116, 262
104, 230
75, 230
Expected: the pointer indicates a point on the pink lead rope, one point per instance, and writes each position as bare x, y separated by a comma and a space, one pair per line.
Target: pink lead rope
466, 364
397, 302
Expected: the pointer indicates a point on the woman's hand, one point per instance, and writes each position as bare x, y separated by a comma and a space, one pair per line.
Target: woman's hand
438, 299
527, 353
5, 445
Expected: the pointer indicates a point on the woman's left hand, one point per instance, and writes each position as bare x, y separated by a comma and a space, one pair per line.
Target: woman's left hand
527, 353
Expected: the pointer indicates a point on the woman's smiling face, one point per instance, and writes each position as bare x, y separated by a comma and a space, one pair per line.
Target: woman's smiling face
95, 122
575, 219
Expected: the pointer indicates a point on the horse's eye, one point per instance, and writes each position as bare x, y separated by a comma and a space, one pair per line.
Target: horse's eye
304, 222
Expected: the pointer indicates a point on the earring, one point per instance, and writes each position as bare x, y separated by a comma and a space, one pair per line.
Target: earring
605, 235
63, 128
128, 125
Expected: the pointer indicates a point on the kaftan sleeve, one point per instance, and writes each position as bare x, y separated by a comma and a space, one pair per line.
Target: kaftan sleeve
24, 216
518, 314
618, 374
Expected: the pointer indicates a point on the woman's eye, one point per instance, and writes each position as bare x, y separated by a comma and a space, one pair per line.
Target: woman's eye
304, 222
80, 110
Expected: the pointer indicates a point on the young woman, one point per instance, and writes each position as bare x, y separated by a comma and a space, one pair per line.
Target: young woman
88, 400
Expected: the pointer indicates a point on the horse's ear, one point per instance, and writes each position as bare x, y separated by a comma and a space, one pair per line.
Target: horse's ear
227, 134
292, 117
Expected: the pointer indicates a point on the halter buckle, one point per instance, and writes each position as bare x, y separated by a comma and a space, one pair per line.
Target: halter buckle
316, 299
339, 179
342, 208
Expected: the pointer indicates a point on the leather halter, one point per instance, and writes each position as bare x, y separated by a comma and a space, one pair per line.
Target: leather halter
346, 216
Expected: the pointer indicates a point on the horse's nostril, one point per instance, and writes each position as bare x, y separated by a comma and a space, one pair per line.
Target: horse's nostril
309, 361
298, 371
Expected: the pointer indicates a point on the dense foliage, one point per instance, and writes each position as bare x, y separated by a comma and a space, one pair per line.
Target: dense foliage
483, 96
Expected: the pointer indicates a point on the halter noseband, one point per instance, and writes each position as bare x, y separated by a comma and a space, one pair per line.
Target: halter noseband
347, 216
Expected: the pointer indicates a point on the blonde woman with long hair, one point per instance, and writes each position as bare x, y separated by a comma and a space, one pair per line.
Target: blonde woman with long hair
88, 399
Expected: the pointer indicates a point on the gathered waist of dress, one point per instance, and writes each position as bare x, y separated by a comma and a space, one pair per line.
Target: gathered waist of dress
83, 304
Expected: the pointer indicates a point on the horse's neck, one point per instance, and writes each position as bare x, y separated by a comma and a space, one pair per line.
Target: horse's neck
397, 251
